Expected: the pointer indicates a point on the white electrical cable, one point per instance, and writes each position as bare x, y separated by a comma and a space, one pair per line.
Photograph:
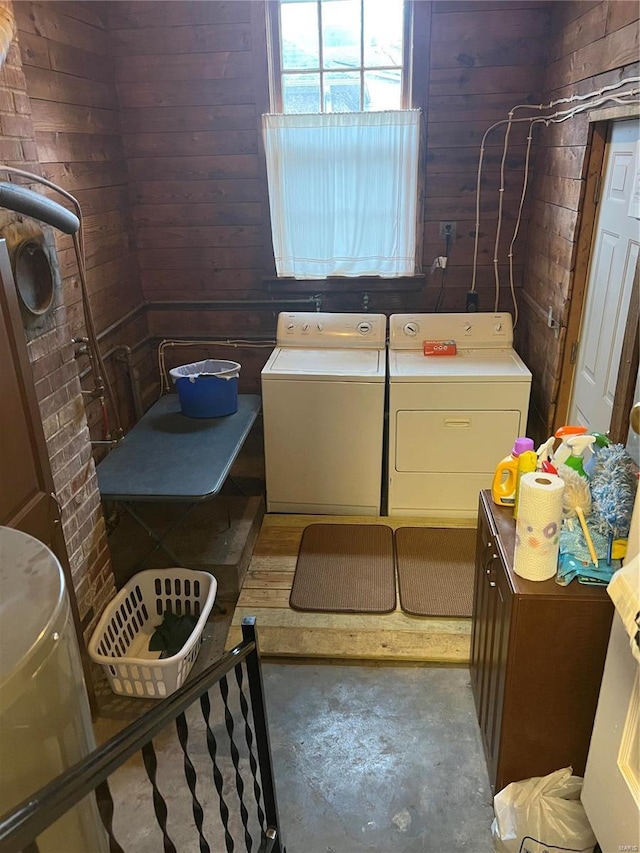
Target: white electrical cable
594, 94
496, 273
564, 115
519, 219
560, 116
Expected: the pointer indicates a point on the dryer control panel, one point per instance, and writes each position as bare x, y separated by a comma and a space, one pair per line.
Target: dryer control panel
469, 331
335, 331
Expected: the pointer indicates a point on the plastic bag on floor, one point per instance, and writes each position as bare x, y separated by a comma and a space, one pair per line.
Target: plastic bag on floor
542, 815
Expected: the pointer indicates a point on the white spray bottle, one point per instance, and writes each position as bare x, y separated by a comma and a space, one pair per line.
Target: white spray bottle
578, 445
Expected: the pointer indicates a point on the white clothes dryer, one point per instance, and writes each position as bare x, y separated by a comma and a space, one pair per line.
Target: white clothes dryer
451, 418
323, 392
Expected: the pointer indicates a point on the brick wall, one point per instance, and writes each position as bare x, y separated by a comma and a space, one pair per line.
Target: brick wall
55, 373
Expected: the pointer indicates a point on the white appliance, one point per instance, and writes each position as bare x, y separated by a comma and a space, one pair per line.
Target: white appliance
451, 418
323, 391
45, 719
611, 790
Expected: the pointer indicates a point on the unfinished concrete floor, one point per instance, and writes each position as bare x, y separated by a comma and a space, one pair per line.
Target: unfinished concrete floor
366, 758
374, 758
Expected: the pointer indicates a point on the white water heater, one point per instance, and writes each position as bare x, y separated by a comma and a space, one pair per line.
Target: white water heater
45, 722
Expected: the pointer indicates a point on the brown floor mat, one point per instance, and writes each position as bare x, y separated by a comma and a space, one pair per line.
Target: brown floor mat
345, 568
436, 570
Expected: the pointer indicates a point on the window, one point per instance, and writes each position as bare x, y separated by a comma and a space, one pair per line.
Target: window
342, 153
338, 56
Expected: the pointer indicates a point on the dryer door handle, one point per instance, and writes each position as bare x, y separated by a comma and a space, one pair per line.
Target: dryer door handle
457, 423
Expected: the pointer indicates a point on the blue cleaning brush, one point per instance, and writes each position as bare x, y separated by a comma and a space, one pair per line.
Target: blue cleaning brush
613, 489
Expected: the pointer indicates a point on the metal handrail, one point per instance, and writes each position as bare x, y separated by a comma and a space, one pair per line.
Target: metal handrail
20, 826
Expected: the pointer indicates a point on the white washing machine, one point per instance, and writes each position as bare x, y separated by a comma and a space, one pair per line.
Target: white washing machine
323, 391
451, 418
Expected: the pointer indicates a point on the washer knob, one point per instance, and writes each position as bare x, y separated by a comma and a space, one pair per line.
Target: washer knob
411, 329
364, 328
498, 327
290, 327
319, 327
467, 327
305, 327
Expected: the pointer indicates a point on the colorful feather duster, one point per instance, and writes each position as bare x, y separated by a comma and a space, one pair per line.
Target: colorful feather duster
613, 490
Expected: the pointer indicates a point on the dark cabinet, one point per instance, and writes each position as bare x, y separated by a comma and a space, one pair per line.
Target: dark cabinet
537, 655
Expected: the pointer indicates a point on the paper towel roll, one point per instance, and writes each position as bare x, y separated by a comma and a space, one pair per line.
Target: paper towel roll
538, 526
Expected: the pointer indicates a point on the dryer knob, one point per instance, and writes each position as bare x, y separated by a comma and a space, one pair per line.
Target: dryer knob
364, 328
319, 327
305, 327
498, 327
411, 329
290, 327
467, 327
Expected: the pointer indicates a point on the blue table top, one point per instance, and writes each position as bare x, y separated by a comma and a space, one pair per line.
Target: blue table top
170, 457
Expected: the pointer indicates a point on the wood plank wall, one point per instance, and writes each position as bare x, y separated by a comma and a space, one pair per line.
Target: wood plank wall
593, 44
70, 78
486, 57
190, 117
192, 86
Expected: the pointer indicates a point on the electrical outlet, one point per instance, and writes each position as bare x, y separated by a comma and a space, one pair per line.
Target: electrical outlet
447, 229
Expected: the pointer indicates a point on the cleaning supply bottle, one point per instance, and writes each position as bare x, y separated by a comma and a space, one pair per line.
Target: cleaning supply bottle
527, 462
601, 441
577, 446
564, 433
503, 488
545, 452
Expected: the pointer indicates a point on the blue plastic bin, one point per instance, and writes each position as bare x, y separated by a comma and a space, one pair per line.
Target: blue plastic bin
207, 389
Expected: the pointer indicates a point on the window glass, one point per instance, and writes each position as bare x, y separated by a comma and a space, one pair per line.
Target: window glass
341, 92
299, 35
301, 93
382, 90
356, 46
341, 24
383, 28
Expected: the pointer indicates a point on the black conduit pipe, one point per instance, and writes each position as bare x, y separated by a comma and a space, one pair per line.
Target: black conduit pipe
30, 203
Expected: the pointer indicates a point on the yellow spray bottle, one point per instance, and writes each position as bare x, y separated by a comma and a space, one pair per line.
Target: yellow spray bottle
527, 461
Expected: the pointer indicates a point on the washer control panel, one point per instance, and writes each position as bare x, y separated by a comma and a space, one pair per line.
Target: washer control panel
469, 331
336, 331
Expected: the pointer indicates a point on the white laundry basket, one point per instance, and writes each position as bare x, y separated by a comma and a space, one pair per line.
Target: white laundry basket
120, 643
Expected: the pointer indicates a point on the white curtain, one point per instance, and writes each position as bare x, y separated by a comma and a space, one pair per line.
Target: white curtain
343, 192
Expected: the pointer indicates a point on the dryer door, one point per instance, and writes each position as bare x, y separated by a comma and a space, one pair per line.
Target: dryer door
455, 441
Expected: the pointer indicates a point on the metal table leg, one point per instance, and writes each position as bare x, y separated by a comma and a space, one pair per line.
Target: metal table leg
159, 540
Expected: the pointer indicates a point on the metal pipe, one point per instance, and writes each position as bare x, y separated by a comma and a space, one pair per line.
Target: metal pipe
134, 378
110, 352
211, 304
30, 203
121, 322
38, 206
240, 304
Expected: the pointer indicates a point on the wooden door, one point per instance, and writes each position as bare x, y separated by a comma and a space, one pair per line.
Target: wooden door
27, 496
614, 258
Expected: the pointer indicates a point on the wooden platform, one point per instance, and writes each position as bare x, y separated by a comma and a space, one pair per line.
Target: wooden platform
284, 632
